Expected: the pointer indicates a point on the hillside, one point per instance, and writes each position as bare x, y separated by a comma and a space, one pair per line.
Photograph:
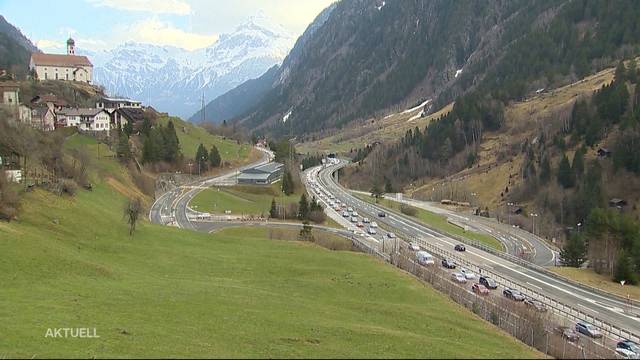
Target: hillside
15, 49
137, 291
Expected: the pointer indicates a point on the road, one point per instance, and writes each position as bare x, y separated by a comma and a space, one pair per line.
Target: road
172, 207
611, 310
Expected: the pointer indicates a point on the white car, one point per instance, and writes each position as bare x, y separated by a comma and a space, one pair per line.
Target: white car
374, 224
459, 278
372, 231
366, 220
345, 214
350, 209
355, 213
414, 247
354, 219
469, 275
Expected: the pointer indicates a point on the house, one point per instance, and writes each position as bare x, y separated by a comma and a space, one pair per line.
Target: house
112, 104
10, 98
85, 119
261, 175
124, 115
617, 203
43, 118
51, 100
25, 114
69, 67
603, 153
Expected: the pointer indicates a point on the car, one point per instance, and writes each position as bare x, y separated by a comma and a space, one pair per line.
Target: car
459, 278
630, 347
355, 213
337, 208
424, 258
448, 264
535, 304
513, 294
459, 247
366, 220
488, 282
350, 209
588, 329
570, 334
360, 225
626, 354
382, 214
372, 231
414, 247
468, 274
391, 235
479, 289
345, 214
374, 224
354, 219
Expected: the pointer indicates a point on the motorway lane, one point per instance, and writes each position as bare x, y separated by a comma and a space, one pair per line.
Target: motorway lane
607, 309
172, 207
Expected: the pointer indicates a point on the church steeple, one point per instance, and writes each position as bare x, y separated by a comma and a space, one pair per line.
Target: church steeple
71, 47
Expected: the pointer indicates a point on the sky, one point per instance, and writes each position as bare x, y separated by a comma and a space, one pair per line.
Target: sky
190, 24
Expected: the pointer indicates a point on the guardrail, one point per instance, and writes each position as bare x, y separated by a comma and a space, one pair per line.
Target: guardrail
559, 308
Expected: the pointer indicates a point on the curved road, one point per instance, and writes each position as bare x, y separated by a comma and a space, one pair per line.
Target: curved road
612, 310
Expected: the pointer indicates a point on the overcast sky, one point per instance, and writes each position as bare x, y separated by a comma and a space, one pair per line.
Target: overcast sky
191, 24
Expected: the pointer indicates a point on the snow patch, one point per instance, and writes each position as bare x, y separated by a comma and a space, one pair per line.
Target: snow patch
286, 116
417, 107
416, 116
381, 6
458, 72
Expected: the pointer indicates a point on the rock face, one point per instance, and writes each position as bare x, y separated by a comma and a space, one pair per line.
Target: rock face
174, 80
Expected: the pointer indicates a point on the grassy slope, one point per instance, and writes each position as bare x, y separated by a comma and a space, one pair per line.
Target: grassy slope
69, 263
250, 200
438, 222
191, 136
603, 282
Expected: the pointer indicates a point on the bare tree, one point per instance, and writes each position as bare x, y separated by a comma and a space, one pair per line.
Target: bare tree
132, 210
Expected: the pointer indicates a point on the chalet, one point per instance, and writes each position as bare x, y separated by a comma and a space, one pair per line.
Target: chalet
261, 175
122, 116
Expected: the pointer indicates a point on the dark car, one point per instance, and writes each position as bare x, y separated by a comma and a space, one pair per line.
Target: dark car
588, 329
513, 294
488, 282
570, 334
535, 304
629, 345
382, 214
448, 264
459, 247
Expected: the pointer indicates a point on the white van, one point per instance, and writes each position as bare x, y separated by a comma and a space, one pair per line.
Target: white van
424, 258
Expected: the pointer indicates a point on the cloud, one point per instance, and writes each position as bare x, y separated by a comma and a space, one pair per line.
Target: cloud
156, 32
50, 44
177, 7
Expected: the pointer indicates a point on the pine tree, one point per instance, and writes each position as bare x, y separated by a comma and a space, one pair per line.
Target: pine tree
566, 176
214, 157
171, 143
574, 252
578, 163
123, 151
202, 158
288, 187
624, 269
303, 208
545, 170
145, 129
388, 187
273, 212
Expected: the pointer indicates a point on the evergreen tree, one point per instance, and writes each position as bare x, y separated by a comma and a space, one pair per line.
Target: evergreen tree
214, 157
388, 187
273, 212
288, 187
624, 269
377, 192
566, 176
574, 251
545, 170
578, 163
145, 129
315, 205
123, 151
303, 208
202, 158
171, 143
128, 128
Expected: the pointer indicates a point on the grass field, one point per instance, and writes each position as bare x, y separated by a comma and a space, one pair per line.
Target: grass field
248, 200
438, 222
166, 292
191, 136
602, 282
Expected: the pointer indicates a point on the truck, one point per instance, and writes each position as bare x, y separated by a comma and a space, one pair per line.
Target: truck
424, 258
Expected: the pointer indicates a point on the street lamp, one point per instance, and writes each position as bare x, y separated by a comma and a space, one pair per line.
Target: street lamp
509, 205
533, 222
190, 164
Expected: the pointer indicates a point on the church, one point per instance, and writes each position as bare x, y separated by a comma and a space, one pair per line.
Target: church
62, 67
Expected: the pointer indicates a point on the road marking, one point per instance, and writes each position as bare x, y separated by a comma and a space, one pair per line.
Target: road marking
588, 308
535, 286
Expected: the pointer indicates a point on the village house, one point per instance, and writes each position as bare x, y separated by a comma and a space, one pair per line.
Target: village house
43, 118
125, 115
10, 100
85, 119
112, 104
69, 67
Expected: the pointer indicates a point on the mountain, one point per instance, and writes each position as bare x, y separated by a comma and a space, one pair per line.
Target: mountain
173, 79
371, 56
15, 49
247, 95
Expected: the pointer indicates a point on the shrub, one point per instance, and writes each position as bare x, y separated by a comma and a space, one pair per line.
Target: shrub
317, 216
408, 210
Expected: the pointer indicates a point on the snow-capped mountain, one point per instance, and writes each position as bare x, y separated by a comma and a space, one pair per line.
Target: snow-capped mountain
173, 79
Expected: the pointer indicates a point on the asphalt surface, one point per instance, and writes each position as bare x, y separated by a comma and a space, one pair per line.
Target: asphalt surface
608, 309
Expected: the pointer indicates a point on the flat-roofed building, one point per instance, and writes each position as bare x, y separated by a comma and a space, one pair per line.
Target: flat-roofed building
261, 175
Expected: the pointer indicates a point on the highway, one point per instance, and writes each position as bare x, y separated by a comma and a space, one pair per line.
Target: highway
611, 310
172, 207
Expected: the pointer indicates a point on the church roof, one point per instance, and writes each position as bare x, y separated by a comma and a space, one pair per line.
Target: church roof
60, 60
